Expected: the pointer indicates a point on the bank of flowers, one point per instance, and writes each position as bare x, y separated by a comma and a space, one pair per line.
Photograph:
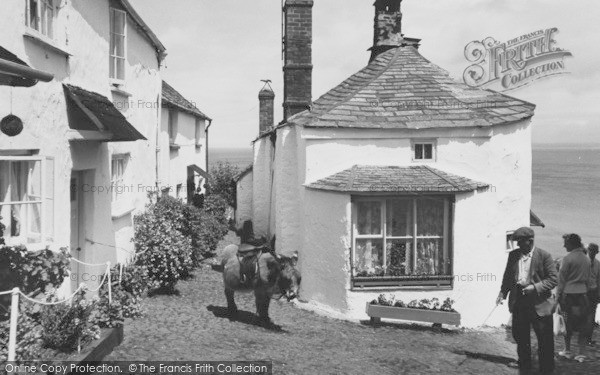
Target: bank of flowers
423, 304
171, 239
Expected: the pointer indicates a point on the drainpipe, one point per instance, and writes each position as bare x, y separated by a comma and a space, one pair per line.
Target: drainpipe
158, 122
206, 132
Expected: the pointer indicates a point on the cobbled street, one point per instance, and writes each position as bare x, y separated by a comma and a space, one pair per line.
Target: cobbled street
193, 326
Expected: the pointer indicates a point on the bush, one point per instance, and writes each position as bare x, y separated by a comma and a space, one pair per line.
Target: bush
64, 324
161, 247
221, 182
29, 335
31, 272
126, 295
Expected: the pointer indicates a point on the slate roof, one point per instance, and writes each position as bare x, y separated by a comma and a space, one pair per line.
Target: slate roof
413, 179
81, 103
171, 98
401, 89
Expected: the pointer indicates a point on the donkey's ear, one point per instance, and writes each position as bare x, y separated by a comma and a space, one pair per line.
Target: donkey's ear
294, 258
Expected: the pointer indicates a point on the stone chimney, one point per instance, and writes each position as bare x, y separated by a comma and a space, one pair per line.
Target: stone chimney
297, 49
266, 118
388, 28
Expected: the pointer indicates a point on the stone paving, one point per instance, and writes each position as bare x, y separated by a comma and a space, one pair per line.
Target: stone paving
193, 326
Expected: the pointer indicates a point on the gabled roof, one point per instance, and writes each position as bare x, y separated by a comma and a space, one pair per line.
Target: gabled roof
383, 179
401, 89
172, 98
145, 29
90, 111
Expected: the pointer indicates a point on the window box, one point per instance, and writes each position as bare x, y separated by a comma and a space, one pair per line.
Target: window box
376, 312
174, 147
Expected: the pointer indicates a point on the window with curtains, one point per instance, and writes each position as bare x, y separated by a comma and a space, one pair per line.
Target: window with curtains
40, 16
118, 39
401, 241
27, 199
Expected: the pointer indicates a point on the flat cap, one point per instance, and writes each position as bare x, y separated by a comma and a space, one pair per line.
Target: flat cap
523, 233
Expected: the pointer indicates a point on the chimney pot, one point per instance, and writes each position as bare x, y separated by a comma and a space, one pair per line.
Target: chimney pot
266, 118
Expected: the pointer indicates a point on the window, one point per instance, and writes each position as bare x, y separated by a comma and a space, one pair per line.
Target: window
172, 127
27, 199
424, 151
40, 15
117, 180
403, 241
118, 20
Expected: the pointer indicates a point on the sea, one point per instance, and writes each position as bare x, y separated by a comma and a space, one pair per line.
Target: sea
565, 191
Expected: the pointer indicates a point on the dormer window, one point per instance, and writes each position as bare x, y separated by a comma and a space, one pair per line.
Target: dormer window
40, 16
118, 21
423, 150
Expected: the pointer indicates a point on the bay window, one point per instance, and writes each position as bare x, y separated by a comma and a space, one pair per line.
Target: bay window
27, 199
401, 241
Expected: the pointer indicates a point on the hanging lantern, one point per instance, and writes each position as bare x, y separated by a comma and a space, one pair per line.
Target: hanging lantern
11, 125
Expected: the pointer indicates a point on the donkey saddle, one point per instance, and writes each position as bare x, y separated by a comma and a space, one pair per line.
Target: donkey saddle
248, 257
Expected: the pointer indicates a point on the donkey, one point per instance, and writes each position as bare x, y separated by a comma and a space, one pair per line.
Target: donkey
248, 268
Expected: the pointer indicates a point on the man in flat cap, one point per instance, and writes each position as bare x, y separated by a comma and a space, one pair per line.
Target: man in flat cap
529, 277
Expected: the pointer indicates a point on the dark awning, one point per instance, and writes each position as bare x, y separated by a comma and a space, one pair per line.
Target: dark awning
392, 179
93, 117
15, 72
201, 172
535, 221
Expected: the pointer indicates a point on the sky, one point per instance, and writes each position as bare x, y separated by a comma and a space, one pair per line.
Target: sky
219, 50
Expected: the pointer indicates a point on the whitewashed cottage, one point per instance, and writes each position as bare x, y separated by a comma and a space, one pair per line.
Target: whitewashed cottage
86, 157
399, 180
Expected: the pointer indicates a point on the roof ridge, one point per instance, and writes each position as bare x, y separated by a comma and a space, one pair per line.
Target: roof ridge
382, 69
437, 173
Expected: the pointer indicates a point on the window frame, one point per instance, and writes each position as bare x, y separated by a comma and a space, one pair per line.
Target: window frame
424, 142
408, 281
43, 29
198, 140
118, 198
47, 206
115, 80
173, 126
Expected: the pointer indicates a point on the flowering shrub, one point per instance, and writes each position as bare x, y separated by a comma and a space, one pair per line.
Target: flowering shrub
29, 335
221, 182
423, 304
32, 272
161, 247
64, 324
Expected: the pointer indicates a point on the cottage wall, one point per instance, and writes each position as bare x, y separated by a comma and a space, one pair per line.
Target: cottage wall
173, 163
244, 199
262, 188
500, 156
82, 29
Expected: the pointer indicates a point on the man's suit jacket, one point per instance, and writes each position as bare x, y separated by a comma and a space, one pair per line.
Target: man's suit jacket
543, 275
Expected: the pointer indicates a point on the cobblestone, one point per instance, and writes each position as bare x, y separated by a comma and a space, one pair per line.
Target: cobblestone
192, 326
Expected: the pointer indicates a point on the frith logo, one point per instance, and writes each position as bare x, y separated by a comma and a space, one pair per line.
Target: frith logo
516, 63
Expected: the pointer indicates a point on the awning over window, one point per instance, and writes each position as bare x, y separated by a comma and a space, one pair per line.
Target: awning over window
92, 117
392, 179
15, 72
535, 221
